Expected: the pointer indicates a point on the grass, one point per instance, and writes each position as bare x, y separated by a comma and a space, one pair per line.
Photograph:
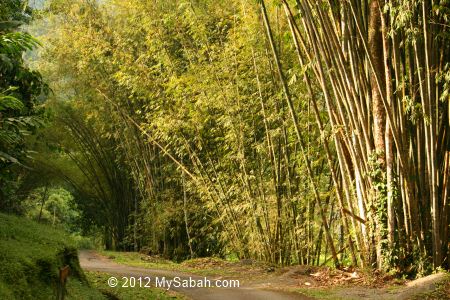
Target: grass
209, 266
135, 259
77, 290
319, 293
99, 281
30, 257
441, 292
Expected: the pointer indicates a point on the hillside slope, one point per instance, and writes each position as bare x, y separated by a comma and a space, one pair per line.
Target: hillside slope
30, 257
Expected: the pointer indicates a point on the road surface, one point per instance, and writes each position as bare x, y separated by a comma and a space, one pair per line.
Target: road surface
91, 261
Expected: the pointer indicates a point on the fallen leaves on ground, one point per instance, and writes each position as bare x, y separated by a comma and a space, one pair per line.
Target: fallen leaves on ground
311, 276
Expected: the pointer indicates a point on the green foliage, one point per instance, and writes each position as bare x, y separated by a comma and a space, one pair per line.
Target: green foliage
30, 255
14, 13
13, 44
20, 88
77, 290
86, 242
137, 74
170, 125
54, 206
444, 79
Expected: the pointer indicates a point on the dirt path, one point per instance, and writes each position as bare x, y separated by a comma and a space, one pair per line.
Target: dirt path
415, 289
91, 261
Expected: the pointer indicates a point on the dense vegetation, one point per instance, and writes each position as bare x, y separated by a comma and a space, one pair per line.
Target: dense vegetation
287, 131
20, 89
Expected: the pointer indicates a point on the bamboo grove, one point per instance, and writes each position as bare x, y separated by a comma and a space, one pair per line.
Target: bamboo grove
310, 132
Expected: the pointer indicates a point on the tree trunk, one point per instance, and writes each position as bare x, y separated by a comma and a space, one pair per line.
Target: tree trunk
375, 47
43, 202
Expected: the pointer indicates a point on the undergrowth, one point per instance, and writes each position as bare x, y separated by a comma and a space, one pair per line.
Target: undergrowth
30, 257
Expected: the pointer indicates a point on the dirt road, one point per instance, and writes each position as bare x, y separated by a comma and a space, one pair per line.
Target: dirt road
91, 261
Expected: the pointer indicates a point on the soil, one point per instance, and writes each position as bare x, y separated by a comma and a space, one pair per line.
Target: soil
92, 261
258, 282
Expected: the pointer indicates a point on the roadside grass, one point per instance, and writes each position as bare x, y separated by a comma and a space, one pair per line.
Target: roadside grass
441, 292
136, 259
99, 281
326, 293
30, 257
77, 290
206, 266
